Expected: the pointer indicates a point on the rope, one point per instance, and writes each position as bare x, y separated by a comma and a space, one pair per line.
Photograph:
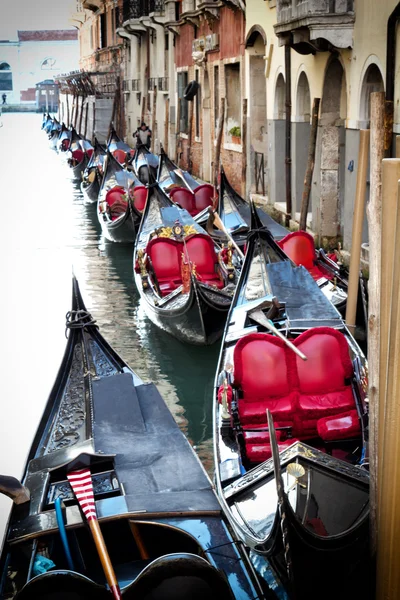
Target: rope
78, 319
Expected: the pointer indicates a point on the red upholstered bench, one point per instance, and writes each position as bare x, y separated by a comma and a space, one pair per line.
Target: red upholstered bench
305, 395
116, 201
185, 199
201, 252
139, 197
78, 156
299, 246
165, 255
203, 197
120, 155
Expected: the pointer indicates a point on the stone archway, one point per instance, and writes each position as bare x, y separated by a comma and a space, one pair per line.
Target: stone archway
276, 145
257, 125
300, 135
372, 82
332, 150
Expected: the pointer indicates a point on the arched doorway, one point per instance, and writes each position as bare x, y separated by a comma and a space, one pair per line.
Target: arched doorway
276, 146
257, 111
301, 135
206, 136
332, 150
6, 84
372, 82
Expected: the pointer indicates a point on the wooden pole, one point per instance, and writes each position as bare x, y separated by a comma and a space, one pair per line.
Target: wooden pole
94, 120
374, 209
166, 126
81, 115
177, 130
310, 164
67, 102
397, 146
288, 135
153, 120
76, 111
86, 118
219, 140
244, 147
190, 137
388, 538
356, 238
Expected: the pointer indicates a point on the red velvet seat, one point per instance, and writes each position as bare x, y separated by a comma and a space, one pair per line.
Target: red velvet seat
299, 246
203, 195
165, 255
78, 156
185, 199
89, 152
139, 197
120, 155
115, 199
200, 251
343, 426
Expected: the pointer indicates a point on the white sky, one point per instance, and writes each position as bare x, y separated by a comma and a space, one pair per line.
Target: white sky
32, 15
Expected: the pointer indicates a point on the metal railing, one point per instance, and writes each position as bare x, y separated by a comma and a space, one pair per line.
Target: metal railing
134, 9
135, 85
151, 83
126, 85
289, 11
163, 84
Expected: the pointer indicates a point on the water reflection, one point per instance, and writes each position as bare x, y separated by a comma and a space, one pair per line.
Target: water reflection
52, 232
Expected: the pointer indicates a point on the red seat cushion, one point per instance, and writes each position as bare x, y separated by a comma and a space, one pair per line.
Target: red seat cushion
139, 197
120, 155
264, 367
203, 196
299, 246
89, 152
200, 251
78, 155
115, 195
282, 409
185, 199
165, 255
340, 427
260, 452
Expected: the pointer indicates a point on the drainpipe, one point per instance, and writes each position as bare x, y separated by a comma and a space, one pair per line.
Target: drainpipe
390, 77
288, 135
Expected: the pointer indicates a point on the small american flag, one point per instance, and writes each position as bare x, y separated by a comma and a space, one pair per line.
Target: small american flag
81, 483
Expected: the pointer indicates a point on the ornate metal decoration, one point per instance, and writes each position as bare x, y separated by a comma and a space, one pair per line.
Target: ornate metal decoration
99, 363
103, 483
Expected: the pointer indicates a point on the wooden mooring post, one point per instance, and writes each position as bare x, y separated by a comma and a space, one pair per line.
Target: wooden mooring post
356, 239
244, 146
310, 165
221, 117
388, 510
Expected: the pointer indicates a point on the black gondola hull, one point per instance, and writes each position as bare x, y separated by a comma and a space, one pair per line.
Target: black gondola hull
123, 230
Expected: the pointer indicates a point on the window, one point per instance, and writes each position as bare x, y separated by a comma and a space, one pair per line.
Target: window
103, 31
216, 97
5, 77
198, 107
232, 83
182, 103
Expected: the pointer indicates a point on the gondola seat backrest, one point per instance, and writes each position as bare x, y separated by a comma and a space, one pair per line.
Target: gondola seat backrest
166, 258
139, 197
299, 246
204, 196
120, 155
185, 199
78, 155
201, 252
116, 201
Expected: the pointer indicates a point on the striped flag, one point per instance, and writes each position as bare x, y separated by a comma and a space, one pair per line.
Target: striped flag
81, 483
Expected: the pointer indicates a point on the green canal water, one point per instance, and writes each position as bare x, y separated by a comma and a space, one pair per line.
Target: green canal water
47, 232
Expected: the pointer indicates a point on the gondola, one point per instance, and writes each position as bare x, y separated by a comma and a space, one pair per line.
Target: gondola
121, 201
53, 132
300, 503
331, 276
185, 281
121, 151
184, 190
79, 154
235, 214
145, 164
109, 458
93, 174
47, 123
64, 139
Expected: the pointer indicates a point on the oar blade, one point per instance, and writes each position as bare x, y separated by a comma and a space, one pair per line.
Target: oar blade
82, 486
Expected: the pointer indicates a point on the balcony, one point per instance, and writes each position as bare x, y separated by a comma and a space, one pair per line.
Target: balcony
151, 84
135, 85
136, 9
310, 26
163, 84
126, 86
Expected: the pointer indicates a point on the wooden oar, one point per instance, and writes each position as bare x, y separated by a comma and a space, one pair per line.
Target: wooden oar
81, 483
218, 223
258, 316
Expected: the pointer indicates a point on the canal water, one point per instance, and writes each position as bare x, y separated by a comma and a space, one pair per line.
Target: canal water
48, 233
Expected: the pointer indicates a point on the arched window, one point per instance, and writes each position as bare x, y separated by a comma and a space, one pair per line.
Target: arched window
48, 63
280, 98
303, 101
5, 77
372, 82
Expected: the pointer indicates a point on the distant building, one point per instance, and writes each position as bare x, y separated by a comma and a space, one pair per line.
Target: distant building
33, 57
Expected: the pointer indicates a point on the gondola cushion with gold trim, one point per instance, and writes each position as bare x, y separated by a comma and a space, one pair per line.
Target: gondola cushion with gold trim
165, 255
201, 252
